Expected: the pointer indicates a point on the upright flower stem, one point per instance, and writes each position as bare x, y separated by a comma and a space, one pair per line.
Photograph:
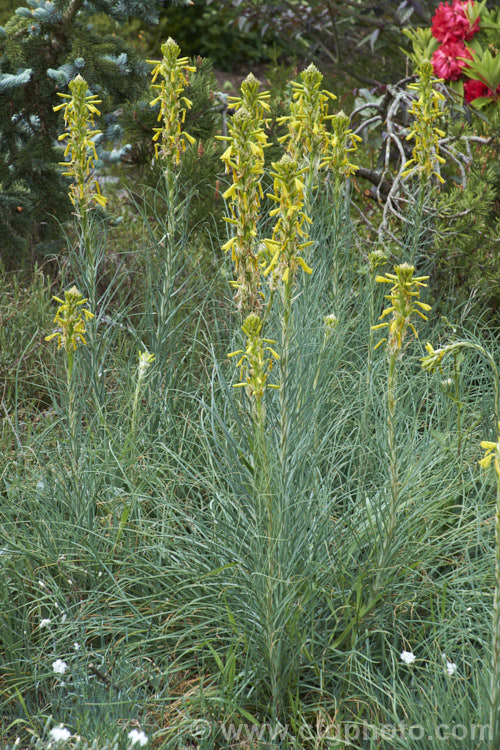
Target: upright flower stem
167, 264
415, 240
170, 77
495, 661
404, 303
284, 379
458, 405
393, 468
70, 319
72, 413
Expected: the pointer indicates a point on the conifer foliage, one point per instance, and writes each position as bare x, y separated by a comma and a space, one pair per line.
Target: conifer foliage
44, 45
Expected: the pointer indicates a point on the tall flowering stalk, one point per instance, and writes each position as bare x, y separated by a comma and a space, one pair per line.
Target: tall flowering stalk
170, 77
432, 361
244, 160
70, 320
79, 110
342, 143
145, 361
427, 111
129, 449
404, 304
283, 258
256, 363
172, 73
308, 139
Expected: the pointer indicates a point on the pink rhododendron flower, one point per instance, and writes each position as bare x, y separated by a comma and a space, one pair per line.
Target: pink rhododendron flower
446, 60
451, 24
474, 89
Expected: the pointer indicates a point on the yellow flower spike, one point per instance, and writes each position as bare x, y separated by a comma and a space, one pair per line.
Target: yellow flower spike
492, 453
308, 138
403, 296
281, 253
79, 110
257, 360
169, 139
342, 142
254, 101
427, 111
244, 160
70, 319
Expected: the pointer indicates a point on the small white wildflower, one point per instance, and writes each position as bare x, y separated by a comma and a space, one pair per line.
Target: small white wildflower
41, 584
407, 657
451, 668
63, 619
76, 646
44, 622
331, 321
145, 361
70, 581
99, 574
469, 609
135, 736
59, 666
59, 734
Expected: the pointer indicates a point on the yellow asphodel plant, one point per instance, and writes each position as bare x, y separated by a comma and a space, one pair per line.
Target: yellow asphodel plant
427, 111
244, 161
70, 320
79, 110
171, 72
404, 303
308, 139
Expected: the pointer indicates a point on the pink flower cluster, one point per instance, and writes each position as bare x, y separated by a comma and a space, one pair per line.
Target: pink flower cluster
452, 27
451, 22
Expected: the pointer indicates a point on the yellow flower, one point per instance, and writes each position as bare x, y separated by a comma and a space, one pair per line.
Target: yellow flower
254, 101
404, 303
70, 318
308, 139
145, 361
433, 358
342, 142
256, 361
427, 110
282, 252
244, 159
169, 139
492, 453
79, 110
